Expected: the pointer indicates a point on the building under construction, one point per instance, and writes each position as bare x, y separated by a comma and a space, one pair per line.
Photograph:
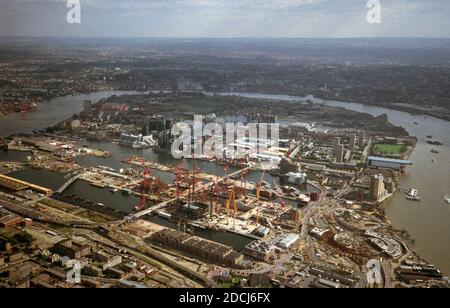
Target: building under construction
193, 210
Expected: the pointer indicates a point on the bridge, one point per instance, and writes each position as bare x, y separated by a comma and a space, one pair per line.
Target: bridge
153, 209
67, 184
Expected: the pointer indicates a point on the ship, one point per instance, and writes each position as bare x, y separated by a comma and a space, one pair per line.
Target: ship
447, 199
436, 143
126, 192
412, 195
25, 107
139, 207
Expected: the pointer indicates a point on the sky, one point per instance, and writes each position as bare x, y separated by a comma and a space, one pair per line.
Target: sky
226, 18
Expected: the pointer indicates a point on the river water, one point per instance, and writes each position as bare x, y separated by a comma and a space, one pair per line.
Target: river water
427, 222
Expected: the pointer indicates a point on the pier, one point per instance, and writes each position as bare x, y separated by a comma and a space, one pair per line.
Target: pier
17, 185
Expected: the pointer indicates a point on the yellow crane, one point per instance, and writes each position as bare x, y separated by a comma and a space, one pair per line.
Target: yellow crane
232, 198
259, 187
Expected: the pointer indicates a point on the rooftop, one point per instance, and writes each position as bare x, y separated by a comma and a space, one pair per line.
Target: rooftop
390, 160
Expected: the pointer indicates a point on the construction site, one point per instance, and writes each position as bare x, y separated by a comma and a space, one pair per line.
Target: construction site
313, 210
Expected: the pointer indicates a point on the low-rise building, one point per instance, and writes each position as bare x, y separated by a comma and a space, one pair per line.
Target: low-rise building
8, 219
71, 249
288, 241
108, 260
92, 270
115, 273
204, 249
260, 251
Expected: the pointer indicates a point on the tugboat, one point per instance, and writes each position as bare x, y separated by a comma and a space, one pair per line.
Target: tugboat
413, 195
447, 199
126, 192
139, 207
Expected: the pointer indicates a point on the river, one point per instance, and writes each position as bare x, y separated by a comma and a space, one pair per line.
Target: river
427, 222
50, 112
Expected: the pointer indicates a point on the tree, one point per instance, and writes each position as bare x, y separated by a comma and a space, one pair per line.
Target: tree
23, 238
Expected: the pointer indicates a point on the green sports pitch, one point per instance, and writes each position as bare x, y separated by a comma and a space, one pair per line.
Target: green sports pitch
389, 148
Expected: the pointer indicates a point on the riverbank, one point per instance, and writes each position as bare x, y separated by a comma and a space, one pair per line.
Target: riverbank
427, 222
437, 113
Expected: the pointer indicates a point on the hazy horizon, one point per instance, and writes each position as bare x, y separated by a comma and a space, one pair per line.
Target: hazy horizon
266, 19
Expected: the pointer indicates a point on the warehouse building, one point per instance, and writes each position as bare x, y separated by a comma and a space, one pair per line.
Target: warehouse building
288, 241
201, 248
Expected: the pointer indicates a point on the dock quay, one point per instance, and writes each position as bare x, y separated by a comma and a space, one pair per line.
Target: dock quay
90, 205
17, 185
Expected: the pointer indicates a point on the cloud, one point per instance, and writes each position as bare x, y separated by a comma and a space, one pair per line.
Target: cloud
226, 18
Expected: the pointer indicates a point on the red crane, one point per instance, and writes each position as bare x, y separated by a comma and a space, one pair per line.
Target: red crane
146, 186
217, 192
178, 179
279, 193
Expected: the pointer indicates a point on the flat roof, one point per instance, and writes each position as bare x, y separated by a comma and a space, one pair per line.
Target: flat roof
390, 160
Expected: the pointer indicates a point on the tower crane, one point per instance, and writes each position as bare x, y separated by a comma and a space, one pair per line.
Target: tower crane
259, 186
232, 201
279, 193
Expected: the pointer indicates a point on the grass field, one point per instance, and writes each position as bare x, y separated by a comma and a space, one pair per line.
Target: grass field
389, 149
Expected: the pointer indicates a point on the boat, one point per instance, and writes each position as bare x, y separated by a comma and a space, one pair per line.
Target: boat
447, 199
412, 195
114, 190
139, 208
98, 184
25, 107
126, 192
436, 143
